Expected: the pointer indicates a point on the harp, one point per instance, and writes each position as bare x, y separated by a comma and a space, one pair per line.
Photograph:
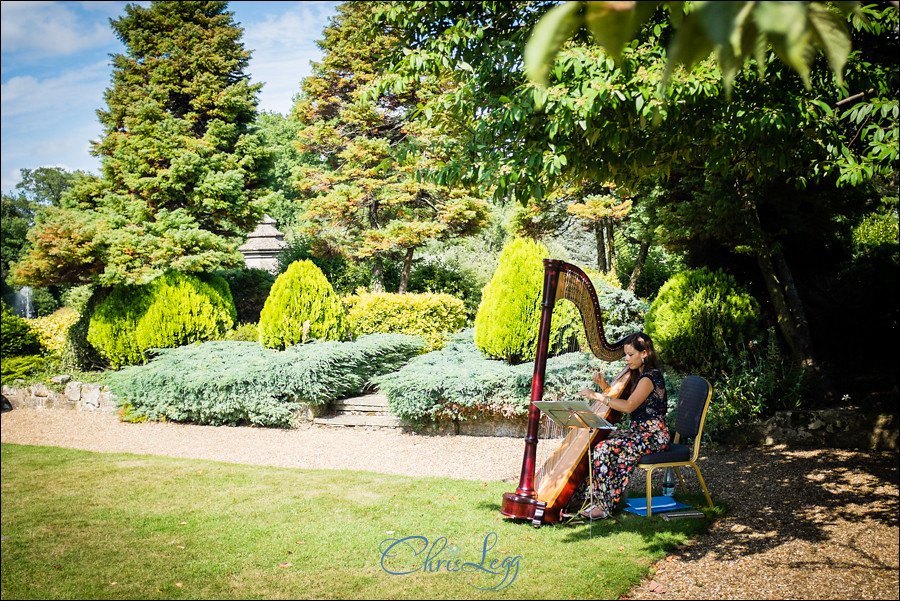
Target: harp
542, 496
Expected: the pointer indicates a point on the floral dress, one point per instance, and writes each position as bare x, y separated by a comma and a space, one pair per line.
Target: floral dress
614, 459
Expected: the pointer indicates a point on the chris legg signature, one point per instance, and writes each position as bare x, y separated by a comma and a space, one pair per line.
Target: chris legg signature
404, 556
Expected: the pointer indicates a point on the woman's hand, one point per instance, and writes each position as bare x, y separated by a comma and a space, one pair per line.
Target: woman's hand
589, 394
599, 380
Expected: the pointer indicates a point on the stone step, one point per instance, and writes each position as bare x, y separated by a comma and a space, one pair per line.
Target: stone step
346, 419
370, 403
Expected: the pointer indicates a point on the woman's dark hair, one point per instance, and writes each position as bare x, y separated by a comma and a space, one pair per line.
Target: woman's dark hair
641, 342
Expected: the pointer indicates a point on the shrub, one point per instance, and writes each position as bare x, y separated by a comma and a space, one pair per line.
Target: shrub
698, 316
623, 312
15, 368
45, 301
300, 294
80, 354
459, 382
507, 322
249, 290
344, 275
78, 297
757, 380
54, 329
172, 310
441, 277
234, 383
431, 316
246, 332
18, 338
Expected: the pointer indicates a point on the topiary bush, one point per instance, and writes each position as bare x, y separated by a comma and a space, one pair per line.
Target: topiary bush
300, 294
18, 337
172, 310
249, 289
431, 316
698, 316
508, 318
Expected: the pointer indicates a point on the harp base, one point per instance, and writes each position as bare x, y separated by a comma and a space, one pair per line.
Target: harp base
524, 508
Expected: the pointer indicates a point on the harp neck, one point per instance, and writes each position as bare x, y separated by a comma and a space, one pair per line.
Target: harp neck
569, 282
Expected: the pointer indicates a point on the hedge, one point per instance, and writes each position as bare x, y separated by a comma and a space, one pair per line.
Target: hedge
431, 316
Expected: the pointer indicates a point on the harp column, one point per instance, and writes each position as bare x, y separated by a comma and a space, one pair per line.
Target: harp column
520, 503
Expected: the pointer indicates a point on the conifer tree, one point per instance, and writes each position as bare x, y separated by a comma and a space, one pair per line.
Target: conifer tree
180, 166
365, 199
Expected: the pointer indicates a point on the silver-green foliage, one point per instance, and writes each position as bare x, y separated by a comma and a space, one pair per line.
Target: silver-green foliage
459, 382
233, 383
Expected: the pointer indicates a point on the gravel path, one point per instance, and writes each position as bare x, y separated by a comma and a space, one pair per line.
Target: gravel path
802, 524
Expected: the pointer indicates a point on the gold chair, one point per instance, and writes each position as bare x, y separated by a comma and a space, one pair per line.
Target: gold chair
693, 401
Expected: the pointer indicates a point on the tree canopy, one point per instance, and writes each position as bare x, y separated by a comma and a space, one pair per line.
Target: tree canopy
364, 199
180, 166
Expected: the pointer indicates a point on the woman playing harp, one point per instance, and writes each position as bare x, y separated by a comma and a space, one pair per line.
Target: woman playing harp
614, 459
543, 494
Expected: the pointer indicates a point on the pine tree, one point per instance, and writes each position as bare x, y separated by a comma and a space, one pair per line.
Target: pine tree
365, 200
180, 166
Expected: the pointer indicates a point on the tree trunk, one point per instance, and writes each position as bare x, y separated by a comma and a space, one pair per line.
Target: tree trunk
610, 246
643, 251
601, 251
377, 274
788, 308
792, 320
407, 268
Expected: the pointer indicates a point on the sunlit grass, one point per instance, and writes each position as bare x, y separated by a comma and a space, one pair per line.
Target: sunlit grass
85, 525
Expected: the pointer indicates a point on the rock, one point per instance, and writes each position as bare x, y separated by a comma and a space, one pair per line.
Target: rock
60, 380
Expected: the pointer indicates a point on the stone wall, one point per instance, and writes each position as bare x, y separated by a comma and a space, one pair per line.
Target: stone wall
75, 396
823, 428
835, 428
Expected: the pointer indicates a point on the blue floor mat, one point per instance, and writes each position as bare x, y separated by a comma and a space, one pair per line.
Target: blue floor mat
638, 505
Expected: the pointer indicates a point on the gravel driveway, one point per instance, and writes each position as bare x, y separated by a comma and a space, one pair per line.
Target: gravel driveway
802, 524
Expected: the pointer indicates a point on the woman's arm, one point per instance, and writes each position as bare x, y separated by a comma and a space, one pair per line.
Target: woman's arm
640, 394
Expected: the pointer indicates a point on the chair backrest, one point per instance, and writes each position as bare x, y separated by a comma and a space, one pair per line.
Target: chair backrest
693, 400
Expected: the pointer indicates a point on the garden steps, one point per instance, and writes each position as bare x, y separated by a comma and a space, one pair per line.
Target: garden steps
370, 410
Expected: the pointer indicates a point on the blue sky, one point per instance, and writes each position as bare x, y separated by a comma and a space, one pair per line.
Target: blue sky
55, 67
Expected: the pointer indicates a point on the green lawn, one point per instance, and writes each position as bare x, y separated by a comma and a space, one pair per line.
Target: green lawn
87, 525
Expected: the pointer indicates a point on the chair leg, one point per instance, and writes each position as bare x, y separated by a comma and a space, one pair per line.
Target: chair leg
649, 492
680, 479
703, 484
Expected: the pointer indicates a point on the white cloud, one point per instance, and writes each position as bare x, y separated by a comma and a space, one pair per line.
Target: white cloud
50, 120
53, 97
283, 47
47, 29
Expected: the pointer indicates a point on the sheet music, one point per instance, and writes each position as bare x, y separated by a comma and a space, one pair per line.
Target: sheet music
573, 414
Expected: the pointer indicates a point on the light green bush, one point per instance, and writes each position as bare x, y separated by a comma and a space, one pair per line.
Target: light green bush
301, 294
698, 316
15, 368
173, 310
431, 316
508, 319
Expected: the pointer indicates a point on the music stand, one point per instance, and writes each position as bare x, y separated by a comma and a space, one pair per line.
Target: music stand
577, 414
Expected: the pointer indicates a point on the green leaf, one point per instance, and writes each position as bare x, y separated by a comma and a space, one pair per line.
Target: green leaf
831, 33
547, 39
613, 24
